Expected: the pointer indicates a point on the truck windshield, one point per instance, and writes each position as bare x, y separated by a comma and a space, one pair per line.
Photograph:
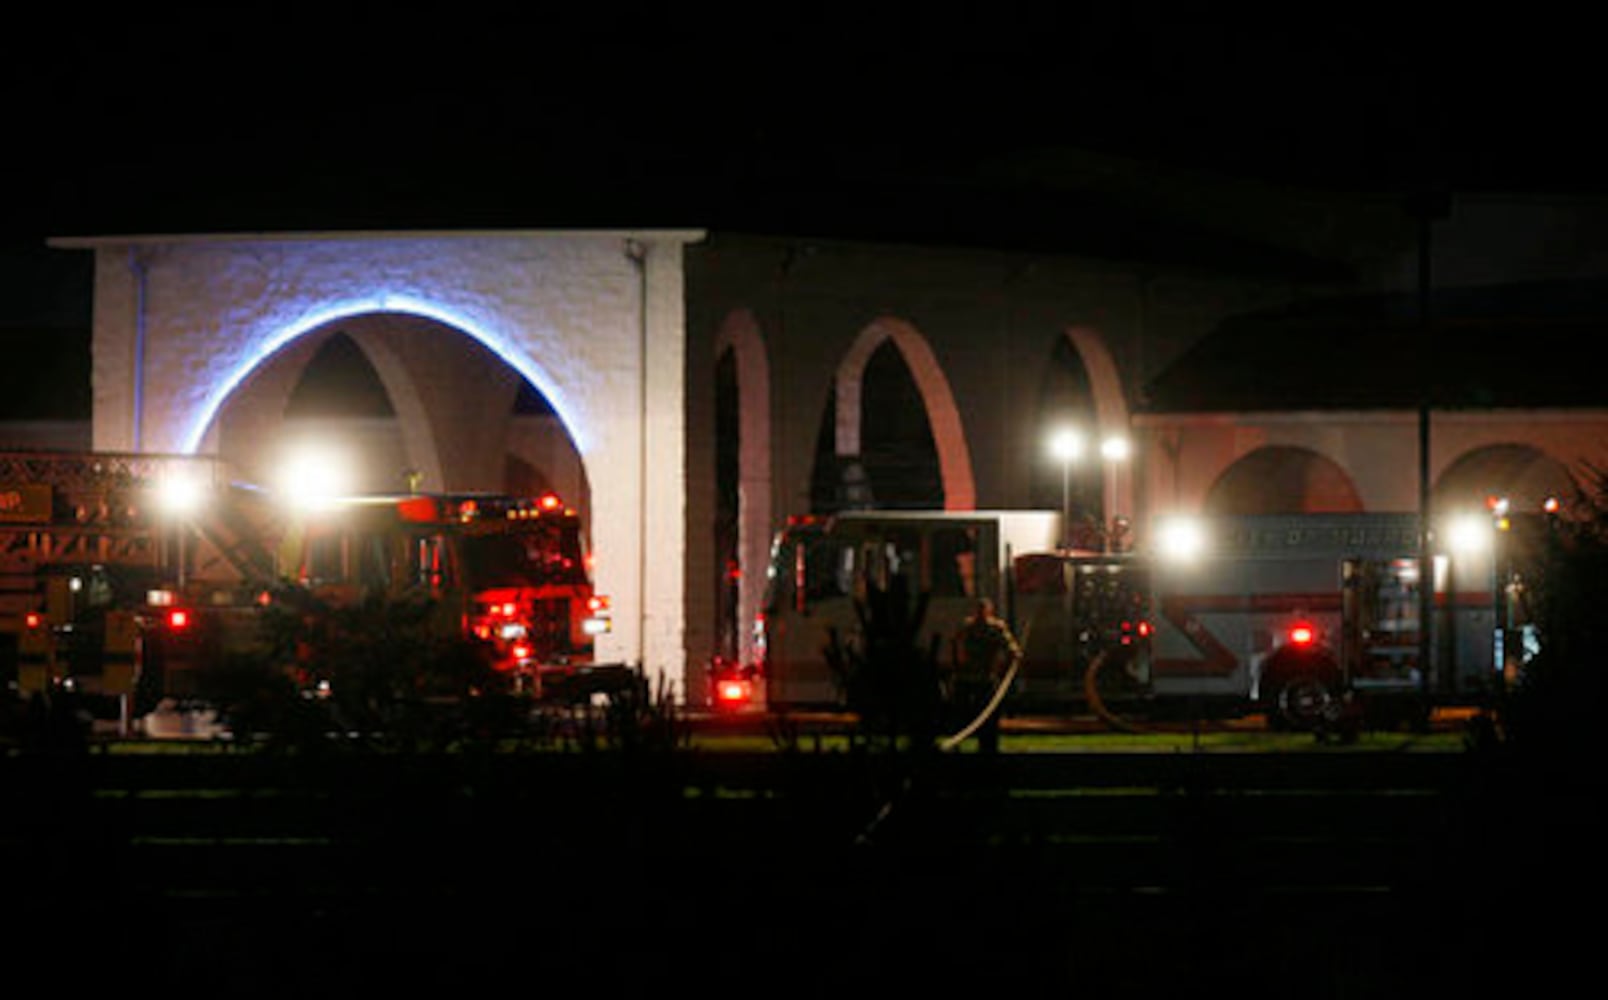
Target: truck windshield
534, 556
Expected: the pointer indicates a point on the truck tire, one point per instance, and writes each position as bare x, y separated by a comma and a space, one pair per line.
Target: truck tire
1300, 689
1302, 702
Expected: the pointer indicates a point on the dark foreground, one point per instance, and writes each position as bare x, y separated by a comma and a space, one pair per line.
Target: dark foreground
817, 874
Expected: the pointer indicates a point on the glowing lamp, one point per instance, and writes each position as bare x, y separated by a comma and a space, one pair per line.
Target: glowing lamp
1180, 539
1302, 634
180, 495
313, 476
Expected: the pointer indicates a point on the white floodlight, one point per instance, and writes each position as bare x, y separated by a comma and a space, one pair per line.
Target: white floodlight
1115, 449
1066, 445
1469, 534
1180, 538
313, 475
180, 495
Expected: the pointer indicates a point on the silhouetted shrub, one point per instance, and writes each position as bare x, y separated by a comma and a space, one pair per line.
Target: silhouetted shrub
888, 679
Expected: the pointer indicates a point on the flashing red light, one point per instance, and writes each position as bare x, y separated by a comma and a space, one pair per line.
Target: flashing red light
521, 651
508, 609
178, 619
1302, 634
732, 692
550, 501
33, 619
421, 509
1144, 629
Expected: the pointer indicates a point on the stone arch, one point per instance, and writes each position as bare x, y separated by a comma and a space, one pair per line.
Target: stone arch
1523, 474
1283, 479
943, 416
447, 438
740, 334
203, 421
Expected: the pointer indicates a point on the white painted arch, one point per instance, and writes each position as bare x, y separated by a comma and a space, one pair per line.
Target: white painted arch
943, 416
593, 319
740, 333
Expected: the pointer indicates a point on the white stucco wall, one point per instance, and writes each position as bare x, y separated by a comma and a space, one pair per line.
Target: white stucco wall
594, 319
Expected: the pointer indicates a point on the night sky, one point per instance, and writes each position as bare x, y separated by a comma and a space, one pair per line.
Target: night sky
902, 124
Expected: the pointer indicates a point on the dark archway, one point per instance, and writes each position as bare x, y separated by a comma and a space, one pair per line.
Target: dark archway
1282, 479
897, 466
727, 527
1523, 475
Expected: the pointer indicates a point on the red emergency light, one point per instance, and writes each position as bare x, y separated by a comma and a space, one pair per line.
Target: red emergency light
1302, 634
733, 692
178, 619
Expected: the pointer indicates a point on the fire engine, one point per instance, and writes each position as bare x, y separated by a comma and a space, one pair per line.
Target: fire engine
511, 572
1298, 616
1065, 606
1305, 614
126, 578
100, 573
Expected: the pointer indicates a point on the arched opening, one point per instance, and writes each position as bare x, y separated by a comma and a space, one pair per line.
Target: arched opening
891, 434
728, 527
1282, 479
410, 402
743, 472
1523, 475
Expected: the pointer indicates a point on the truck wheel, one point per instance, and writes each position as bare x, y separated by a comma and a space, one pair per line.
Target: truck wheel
1302, 702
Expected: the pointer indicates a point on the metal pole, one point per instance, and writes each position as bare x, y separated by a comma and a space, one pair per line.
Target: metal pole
1428, 209
1066, 503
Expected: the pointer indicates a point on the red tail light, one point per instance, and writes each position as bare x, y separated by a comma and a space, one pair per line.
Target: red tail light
732, 693
178, 619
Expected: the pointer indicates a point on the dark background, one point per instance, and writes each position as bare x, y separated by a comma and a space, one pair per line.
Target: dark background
903, 123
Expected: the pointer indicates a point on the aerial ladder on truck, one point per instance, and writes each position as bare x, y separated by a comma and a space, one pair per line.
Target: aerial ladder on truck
106, 559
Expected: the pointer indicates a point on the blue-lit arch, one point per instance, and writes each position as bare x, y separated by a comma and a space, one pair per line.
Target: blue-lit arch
385, 303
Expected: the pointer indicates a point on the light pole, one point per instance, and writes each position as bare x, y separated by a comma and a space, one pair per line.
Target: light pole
1115, 449
1067, 446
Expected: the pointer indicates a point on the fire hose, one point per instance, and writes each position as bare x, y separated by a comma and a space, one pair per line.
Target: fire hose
1091, 693
1004, 686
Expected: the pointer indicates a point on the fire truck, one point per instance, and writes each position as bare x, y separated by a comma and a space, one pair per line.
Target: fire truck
1306, 615
1298, 616
101, 571
127, 579
1066, 607
510, 572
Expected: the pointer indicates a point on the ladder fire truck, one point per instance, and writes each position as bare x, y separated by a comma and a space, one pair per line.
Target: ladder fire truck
101, 575
126, 578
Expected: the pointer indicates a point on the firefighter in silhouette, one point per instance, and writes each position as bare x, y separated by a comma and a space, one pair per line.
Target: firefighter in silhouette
984, 651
